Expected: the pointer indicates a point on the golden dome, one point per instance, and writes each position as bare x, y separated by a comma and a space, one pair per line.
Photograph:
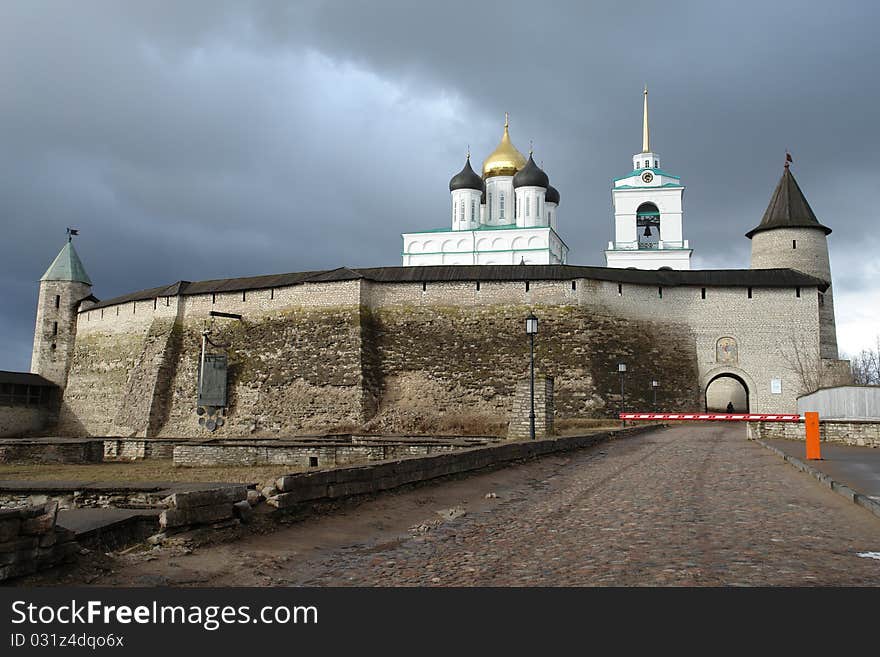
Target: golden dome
504, 160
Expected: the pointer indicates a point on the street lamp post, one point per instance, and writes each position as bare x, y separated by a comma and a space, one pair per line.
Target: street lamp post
654, 385
621, 368
531, 331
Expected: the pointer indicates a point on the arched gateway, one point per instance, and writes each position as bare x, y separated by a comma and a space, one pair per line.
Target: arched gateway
727, 388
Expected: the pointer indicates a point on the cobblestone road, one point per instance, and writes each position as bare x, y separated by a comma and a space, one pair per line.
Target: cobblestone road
690, 505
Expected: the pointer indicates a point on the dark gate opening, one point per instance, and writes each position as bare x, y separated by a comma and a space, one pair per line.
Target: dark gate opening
724, 391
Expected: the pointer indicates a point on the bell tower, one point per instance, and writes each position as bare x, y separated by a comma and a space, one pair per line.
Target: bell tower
648, 213
64, 285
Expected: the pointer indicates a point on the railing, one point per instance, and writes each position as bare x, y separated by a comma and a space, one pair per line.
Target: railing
642, 246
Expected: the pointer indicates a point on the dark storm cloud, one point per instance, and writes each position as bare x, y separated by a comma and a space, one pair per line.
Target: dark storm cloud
208, 139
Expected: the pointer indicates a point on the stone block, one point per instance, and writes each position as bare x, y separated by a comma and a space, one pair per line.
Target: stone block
39, 525
243, 511
9, 528
171, 518
17, 544
17, 569
211, 497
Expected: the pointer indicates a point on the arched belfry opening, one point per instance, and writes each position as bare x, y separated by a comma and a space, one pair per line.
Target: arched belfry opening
724, 389
648, 226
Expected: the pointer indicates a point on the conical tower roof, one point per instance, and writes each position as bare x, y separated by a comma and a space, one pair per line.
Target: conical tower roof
67, 267
788, 208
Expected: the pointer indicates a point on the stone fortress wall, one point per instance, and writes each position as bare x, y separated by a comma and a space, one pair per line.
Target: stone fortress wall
397, 356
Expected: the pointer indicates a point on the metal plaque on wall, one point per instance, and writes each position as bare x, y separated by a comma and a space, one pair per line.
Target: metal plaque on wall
212, 391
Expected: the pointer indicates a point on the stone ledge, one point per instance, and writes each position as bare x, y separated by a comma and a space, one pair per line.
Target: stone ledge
365, 479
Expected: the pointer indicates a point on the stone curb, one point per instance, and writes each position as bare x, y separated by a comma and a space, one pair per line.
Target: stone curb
841, 489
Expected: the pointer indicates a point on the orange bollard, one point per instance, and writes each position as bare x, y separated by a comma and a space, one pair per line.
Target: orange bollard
812, 424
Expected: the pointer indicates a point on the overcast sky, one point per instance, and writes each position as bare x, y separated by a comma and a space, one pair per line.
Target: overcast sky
195, 140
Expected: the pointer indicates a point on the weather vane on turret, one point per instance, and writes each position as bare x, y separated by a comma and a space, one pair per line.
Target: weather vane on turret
71, 232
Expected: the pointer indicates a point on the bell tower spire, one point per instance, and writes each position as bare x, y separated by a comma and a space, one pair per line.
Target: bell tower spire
646, 135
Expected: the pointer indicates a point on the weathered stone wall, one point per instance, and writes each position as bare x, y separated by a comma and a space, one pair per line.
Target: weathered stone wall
862, 433
398, 357
19, 420
804, 249
520, 417
298, 488
24, 450
304, 455
31, 541
121, 449
110, 345
56, 328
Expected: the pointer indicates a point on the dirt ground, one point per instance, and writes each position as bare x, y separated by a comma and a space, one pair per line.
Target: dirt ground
149, 470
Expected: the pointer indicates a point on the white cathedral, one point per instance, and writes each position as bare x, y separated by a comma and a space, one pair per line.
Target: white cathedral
508, 215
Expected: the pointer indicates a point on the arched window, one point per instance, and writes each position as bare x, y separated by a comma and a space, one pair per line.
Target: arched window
461, 212
473, 210
501, 206
648, 226
528, 204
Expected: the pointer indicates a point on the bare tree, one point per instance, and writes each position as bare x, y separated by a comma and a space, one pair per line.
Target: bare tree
866, 365
803, 360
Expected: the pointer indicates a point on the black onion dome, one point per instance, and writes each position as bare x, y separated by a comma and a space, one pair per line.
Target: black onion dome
552, 195
467, 178
531, 176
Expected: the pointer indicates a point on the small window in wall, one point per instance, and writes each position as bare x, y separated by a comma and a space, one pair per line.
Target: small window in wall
574, 286
102, 313
660, 292
527, 286
272, 293
656, 164
424, 287
821, 299
478, 286
647, 163
54, 328
213, 297
167, 301
797, 292
750, 293
313, 461
117, 311
620, 289
54, 346
134, 307
473, 210
243, 297
703, 293
501, 206
57, 300
794, 244
155, 303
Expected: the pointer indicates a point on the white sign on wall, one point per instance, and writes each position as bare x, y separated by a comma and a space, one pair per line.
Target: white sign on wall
776, 386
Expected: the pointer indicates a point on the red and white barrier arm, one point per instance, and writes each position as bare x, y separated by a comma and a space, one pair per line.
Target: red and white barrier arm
734, 417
